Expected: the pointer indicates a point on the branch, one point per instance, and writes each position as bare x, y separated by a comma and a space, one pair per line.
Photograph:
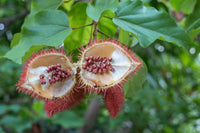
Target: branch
95, 31
103, 33
91, 115
82, 26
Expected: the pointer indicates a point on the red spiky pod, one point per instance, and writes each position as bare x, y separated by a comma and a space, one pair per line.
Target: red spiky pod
49, 75
105, 66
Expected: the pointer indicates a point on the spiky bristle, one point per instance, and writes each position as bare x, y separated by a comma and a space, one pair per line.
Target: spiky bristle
54, 106
114, 100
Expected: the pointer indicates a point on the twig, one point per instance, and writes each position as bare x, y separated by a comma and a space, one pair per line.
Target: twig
82, 26
91, 115
103, 33
107, 17
95, 30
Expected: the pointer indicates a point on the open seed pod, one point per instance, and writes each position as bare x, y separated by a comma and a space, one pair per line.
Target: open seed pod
105, 66
49, 75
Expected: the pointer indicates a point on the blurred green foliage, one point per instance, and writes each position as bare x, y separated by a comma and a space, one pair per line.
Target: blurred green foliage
168, 102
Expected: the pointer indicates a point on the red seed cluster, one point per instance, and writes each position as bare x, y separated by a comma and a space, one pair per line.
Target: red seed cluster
57, 74
98, 64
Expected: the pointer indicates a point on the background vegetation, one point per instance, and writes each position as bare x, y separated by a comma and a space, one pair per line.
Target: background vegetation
168, 101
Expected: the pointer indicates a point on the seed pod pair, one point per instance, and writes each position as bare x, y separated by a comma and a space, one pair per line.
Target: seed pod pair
102, 69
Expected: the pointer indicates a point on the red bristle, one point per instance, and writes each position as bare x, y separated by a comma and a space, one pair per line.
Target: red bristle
114, 100
66, 103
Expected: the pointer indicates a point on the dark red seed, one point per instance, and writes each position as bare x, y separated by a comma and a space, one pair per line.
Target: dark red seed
103, 66
104, 61
58, 65
91, 57
90, 69
96, 59
43, 81
84, 67
69, 74
104, 70
100, 58
100, 71
99, 66
42, 76
63, 75
50, 81
58, 69
111, 68
87, 58
110, 58
56, 78
108, 64
94, 71
54, 73
53, 80
95, 85
64, 71
90, 61
94, 66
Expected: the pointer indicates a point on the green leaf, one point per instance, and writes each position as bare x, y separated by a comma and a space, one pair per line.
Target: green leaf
124, 37
15, 123
1, 130
68, 119
14, 107
193, 33
193, 20
106, 25
49, 27
38, 107
187, 6
15, 40
77, 18
3, 109
148, 24
38, 5
136, 81
95, 10
68, 5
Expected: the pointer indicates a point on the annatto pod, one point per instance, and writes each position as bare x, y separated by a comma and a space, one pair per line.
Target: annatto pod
49, 75
105, 66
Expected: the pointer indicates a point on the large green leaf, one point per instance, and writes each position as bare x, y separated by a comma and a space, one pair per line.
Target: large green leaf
148, 24
124, 37
106, 25
95, 10
186, 6
15, 40
77, 18
68, 119
193, 20
136, 81
48, 27
38, 5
